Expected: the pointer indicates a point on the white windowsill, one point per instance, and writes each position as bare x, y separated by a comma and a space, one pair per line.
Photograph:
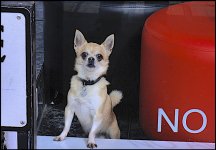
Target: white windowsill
46, 142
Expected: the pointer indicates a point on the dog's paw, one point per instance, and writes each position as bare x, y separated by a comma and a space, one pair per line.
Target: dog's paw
92, 145
58, 138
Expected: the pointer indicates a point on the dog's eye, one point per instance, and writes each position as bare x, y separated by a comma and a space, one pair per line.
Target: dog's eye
84, 55
99, 57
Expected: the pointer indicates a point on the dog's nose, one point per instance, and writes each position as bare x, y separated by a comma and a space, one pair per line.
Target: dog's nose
91, 60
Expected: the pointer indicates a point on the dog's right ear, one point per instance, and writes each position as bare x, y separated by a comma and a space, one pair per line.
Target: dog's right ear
79, 40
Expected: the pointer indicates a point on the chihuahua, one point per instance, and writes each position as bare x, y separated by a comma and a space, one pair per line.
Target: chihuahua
88, 97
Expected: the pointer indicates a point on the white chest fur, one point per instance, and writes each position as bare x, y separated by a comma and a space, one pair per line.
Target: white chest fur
91, 100
86, 106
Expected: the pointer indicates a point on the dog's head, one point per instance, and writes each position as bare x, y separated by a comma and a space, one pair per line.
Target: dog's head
92, 59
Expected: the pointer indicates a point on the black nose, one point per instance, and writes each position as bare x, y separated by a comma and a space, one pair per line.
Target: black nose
91, 60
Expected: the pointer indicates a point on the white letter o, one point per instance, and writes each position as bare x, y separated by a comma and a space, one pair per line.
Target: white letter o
185, 118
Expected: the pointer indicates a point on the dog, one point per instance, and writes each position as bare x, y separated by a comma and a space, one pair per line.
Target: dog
88, 97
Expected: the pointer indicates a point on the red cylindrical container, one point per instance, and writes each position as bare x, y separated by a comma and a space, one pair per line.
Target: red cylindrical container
177, 80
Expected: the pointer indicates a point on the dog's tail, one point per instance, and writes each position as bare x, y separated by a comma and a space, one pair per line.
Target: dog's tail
115, 97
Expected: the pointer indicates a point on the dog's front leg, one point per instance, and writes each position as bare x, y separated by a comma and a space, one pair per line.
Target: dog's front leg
94, 129
69, 113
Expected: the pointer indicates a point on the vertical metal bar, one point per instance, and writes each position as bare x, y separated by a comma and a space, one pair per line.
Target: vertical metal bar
23, 140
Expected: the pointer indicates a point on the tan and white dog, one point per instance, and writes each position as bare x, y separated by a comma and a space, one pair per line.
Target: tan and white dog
88, 97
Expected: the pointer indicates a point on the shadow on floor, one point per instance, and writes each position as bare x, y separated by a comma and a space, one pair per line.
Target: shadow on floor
53, 123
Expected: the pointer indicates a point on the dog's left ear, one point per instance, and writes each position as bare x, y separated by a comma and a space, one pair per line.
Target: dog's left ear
109, 43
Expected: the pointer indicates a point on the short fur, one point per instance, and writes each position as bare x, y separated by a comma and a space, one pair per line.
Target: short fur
95, 110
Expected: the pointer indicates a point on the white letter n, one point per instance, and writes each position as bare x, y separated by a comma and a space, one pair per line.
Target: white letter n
174, 126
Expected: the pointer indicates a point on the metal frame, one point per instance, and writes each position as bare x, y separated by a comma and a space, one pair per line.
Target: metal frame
27, 135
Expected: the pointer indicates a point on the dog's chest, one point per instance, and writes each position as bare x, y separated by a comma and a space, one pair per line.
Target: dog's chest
88, 99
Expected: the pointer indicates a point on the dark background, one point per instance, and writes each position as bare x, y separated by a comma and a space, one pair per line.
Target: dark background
96, 20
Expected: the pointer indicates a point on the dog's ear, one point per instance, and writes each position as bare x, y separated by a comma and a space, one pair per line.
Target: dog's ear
109, 43
79, 40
